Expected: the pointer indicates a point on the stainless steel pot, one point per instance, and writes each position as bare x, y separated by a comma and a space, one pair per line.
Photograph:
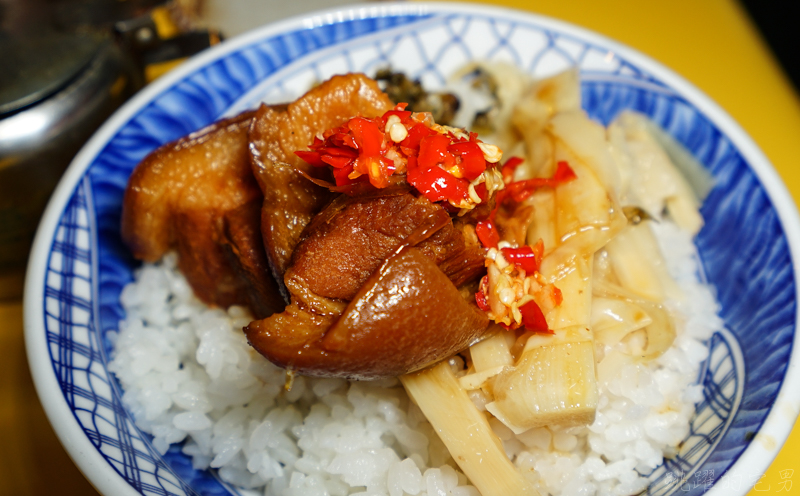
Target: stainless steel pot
55, 91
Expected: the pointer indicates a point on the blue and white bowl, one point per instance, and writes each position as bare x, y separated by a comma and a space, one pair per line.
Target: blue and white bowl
752, 233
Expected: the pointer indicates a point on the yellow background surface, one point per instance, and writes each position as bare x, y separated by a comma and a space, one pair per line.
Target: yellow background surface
709, 42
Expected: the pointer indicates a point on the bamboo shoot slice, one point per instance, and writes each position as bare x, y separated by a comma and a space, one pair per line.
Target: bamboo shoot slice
618, 147
685, 213
575, 282
466, 432
582, 203
543, 227
639, 265
554, 383
586, 216
613, 319
478, 380
532, 112
587, 141
632, 265
648, 244
660, 333
492, 352
660, 183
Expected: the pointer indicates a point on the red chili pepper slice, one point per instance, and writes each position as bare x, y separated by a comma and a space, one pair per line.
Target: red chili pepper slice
509, 167
415, 135
368, 136
338, 151
342, 176
337, 162
524, 258
480, 296
486, 229
441, 170
487, 233
376, 169
335, 130
390, 167
521, 190
558, 297
472, 161
480, 300
533, 318
409, 152
403, 115
564, 172
538, 250
433, 152
481, 191
436, 183
338, 136
398, 110
343, 141
312, 158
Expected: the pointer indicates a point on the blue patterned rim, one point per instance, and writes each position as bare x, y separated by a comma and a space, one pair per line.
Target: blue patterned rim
79, 265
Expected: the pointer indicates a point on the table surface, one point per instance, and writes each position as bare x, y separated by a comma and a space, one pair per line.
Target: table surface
711, 43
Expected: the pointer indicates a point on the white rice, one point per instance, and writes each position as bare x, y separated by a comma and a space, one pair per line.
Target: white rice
189, 376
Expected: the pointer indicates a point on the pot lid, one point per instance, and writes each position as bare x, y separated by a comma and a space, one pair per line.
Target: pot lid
37, 66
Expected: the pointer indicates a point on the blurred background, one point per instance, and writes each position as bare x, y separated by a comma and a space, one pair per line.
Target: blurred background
66, 65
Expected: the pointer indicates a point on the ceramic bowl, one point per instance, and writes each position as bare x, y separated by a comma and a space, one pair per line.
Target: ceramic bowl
751, 235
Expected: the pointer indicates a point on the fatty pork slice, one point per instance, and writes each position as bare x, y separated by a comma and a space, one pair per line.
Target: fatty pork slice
197, 195
291, 200
369, 296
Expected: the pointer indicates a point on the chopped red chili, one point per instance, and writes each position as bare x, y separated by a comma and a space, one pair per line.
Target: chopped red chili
472, 162
480, 296
520, 190
509, 167
558, 297
524, 258
433, 152
538, 249
435, 183
339, 152
487, 233
564, 173
367, 135
443, 165
481, 191
403, 115
342, 176
337, 162
415, 135
533, 318
312, 158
